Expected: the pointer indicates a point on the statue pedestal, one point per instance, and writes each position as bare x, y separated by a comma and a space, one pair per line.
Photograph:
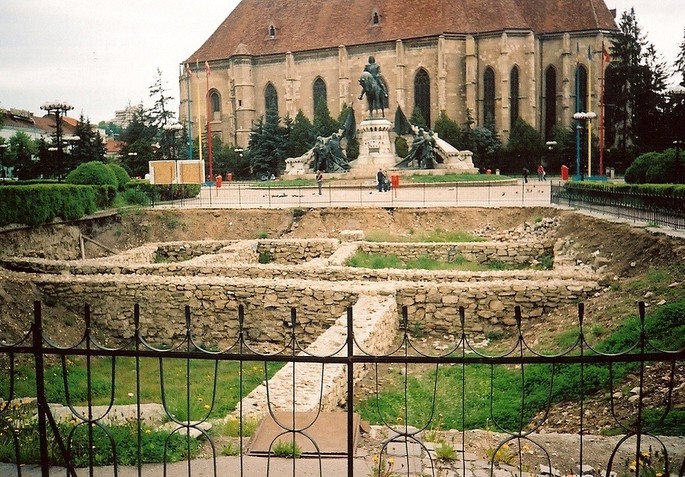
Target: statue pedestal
376, 150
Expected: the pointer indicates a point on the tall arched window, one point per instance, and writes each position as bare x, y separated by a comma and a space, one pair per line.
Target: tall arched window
422, 94
489, 98
376, 18
270, 98
513, 96
581, 89
550, 101
319, 92
215, 105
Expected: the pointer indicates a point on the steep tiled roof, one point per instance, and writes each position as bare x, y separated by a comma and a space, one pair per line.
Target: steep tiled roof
313, 24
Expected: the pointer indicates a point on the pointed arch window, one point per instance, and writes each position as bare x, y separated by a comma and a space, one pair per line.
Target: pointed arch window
513, 96
215, 105
581, 88
376, 19
489, 98
319, 93
550, 101
422, 94
272, 31
270, 98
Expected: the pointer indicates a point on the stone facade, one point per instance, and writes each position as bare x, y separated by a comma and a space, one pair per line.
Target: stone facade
519, 45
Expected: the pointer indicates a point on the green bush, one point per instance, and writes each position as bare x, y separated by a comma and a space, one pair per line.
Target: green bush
165, 192
652, 168
122, 176
39, 204
401, 146
92, 173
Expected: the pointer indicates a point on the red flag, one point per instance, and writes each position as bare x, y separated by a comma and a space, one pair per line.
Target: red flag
207, 69
605, 55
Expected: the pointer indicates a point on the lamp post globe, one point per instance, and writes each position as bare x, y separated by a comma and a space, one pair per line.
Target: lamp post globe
59, 109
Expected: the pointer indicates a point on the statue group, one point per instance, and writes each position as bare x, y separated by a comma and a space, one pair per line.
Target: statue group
422, 152
328, 155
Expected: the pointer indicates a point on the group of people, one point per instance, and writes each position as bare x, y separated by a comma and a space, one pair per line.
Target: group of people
382, 181
542, 175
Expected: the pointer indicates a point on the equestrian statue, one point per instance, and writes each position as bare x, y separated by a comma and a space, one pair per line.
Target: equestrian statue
373, 86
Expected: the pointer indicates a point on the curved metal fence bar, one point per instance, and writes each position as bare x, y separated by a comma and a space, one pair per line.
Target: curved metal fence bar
404, 449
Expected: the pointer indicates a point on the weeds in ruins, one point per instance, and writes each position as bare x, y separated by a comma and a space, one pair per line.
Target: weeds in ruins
436, 235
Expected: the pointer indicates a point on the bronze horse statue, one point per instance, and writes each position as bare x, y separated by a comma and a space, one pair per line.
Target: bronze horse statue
375, 96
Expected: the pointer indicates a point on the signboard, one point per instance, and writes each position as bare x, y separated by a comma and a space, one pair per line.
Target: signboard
177, 172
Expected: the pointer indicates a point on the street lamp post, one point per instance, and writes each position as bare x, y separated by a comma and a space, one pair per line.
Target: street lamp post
583, 116
59, 109
3, 148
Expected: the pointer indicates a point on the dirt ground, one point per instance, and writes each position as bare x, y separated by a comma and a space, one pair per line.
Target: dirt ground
623, 253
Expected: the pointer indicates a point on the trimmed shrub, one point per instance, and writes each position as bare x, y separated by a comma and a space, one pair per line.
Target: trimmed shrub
122, 176
92, 173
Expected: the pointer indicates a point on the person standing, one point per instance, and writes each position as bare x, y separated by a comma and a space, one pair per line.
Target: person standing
525, 175
380, 178
319, 180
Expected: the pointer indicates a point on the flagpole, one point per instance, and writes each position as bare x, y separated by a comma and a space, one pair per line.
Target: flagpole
601, 114
579, 172
199, 122
190, 116
589, 108
209, 127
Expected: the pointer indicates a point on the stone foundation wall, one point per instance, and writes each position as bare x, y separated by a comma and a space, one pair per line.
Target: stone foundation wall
523, 252
213, 304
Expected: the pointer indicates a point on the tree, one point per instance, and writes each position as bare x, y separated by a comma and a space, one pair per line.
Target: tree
448, 130
324, 124
680, 61
88, 147
21, 151
301, 137
525, 146
138, 138
486, 145
635, 83
267, 146
111, 129
417, 118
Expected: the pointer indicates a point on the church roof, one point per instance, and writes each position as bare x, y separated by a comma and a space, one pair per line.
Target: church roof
301, 25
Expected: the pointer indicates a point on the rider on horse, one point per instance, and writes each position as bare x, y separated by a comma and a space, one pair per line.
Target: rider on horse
374, 69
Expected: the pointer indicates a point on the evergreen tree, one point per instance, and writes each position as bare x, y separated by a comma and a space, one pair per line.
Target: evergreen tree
324, 124
417, 118
88, 147
448, 130
486, 146
634, 89
301, 137
267, 145
680, 61
138, 150
21, 151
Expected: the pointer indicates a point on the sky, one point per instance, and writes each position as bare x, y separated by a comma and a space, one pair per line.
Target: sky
101, 56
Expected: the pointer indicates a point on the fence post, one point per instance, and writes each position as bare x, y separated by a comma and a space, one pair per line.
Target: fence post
37, 335
350, 393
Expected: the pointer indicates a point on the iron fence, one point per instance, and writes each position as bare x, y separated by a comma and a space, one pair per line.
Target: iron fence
518, 430
631, 206
272, 194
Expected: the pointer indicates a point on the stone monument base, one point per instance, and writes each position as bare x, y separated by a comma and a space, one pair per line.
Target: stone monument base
376, 150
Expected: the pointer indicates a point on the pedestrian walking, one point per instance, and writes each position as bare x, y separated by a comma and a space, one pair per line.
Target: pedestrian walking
319, 180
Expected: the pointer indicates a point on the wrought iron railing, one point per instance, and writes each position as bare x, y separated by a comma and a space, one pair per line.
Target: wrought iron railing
56, 443
408, 194
657, 211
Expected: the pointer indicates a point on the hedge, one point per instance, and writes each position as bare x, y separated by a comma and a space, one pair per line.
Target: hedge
165, 192
39, 204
